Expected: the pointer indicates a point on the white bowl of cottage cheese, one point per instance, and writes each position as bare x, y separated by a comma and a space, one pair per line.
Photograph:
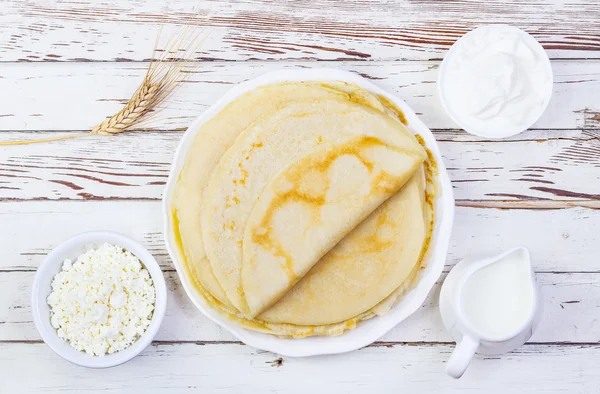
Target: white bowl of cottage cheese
98, 299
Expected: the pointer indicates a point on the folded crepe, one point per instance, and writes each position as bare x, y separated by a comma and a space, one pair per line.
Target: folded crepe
365, 267
309, 206
260, 152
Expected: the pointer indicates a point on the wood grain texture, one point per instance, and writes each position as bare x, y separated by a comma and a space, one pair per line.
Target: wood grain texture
78, 96
280, 30
136, 166
65, 66
233, 368
571, 308
560, 240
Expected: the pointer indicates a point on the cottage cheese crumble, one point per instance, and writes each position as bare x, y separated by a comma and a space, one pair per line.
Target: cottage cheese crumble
103, 302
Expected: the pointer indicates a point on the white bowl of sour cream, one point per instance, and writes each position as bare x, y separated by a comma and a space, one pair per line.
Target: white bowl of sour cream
65, 258
495, 81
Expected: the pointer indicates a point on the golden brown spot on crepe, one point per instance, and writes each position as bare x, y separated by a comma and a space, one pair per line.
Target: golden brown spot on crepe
315, 219
297, 193
372, 243
394, 109
242, 180
240, 291
354, 148
310, 184
264, 237
432, 167
335, 88
383, 183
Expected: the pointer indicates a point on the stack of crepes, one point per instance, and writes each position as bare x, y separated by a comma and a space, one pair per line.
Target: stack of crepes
304, 208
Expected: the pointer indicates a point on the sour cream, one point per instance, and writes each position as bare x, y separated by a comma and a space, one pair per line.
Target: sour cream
495, 81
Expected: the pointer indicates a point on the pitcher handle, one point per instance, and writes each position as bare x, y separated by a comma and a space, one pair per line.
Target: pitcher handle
461, 356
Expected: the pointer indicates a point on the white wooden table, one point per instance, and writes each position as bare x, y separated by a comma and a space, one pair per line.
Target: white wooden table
66, 65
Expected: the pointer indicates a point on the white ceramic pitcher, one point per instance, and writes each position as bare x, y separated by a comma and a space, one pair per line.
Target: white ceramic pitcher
470, 339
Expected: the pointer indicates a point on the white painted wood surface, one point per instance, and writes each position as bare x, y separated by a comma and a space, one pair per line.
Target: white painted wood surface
66, 65
216, 368
45, 30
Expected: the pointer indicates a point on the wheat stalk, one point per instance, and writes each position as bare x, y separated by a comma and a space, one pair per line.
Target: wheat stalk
164, 75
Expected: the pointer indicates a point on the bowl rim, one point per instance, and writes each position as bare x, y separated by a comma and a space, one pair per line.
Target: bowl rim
52, 264
367, 331
537, 47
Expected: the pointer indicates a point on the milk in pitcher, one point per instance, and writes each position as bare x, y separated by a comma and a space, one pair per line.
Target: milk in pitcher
498, 298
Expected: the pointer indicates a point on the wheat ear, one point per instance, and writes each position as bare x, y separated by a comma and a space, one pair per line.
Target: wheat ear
164, 75
146, 97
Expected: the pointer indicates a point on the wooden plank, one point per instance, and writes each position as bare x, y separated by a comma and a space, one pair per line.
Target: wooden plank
136, 166
235, 368
560, 240
571, 306
78, 96
317, 30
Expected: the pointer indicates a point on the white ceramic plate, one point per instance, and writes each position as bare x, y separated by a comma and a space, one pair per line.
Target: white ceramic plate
368, 331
